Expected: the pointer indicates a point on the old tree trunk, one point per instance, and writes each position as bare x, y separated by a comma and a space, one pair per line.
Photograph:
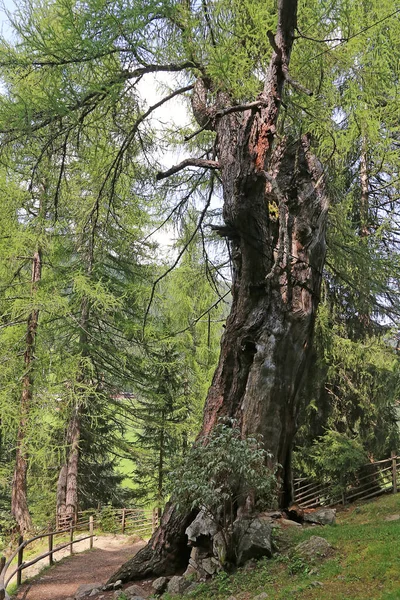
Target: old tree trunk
274, 213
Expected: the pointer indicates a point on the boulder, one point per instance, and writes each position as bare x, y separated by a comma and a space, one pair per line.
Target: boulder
177, 585
210, 565
322, 516
287, 523
252, 537
203, 525
160, 585
197, 555
191, 573
392, 518
86, 590
272, 514
134, 590
315, 548
262, 596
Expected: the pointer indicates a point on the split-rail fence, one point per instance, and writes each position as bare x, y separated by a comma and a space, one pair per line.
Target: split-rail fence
124, 520
371, 480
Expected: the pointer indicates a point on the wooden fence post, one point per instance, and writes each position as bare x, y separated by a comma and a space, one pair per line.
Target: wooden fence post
71, 538
20, 560
394, 471
123, 520
51, 560
91, 531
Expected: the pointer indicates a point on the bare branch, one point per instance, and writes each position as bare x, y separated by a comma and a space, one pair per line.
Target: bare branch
240, 108
178, 258
188, 162
295, 84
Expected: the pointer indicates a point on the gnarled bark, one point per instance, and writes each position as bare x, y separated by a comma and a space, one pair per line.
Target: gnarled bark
166, 553
274, 214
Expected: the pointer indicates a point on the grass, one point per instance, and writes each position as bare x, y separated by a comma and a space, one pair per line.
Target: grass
365, 564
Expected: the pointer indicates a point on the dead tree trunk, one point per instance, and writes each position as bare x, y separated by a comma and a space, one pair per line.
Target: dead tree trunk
274, 214
19, 502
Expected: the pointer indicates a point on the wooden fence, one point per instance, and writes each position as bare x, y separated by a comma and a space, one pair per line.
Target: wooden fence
372, 479
123, 520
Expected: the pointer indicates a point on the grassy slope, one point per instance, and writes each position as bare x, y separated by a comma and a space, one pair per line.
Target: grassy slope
365, 566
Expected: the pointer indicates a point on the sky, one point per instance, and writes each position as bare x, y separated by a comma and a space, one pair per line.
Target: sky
5, 5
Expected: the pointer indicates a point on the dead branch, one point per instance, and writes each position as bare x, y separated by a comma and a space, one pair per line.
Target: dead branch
188, 162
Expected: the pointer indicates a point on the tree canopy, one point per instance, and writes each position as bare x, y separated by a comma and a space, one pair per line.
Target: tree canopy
281, 109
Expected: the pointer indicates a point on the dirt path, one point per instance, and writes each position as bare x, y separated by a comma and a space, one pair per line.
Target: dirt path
62, 580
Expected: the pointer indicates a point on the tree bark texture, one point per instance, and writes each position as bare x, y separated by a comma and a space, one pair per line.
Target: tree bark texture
19, 502
67, 484
166, 553
274, 212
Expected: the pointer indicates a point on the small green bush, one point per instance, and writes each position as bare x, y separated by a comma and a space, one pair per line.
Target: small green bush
221, 471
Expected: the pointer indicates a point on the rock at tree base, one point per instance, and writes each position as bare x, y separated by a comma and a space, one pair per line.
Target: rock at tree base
177, 585
159, 585
135, 590
322, 516
252, 537
314, 549
203, 525
191, 573
287, 523
295, 513
86, 589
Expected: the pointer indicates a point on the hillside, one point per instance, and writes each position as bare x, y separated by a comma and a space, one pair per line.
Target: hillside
365, 563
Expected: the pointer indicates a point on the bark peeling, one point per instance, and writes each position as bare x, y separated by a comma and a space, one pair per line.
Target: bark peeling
274, 212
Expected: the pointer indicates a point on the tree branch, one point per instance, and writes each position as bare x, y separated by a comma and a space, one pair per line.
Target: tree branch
100, 94
188, 162
295, 84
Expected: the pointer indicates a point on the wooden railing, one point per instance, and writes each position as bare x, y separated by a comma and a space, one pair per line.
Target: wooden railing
123, 520
372, 479
5, 577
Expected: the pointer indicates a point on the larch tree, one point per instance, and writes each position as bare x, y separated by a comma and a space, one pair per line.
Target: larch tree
237, 77
277, 259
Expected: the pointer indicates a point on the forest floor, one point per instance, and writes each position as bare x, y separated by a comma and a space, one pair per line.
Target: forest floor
86, 566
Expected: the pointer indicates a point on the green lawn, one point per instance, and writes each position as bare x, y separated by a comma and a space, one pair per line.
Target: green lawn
365, 565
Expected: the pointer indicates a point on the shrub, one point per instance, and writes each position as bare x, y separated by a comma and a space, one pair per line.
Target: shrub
221, 471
